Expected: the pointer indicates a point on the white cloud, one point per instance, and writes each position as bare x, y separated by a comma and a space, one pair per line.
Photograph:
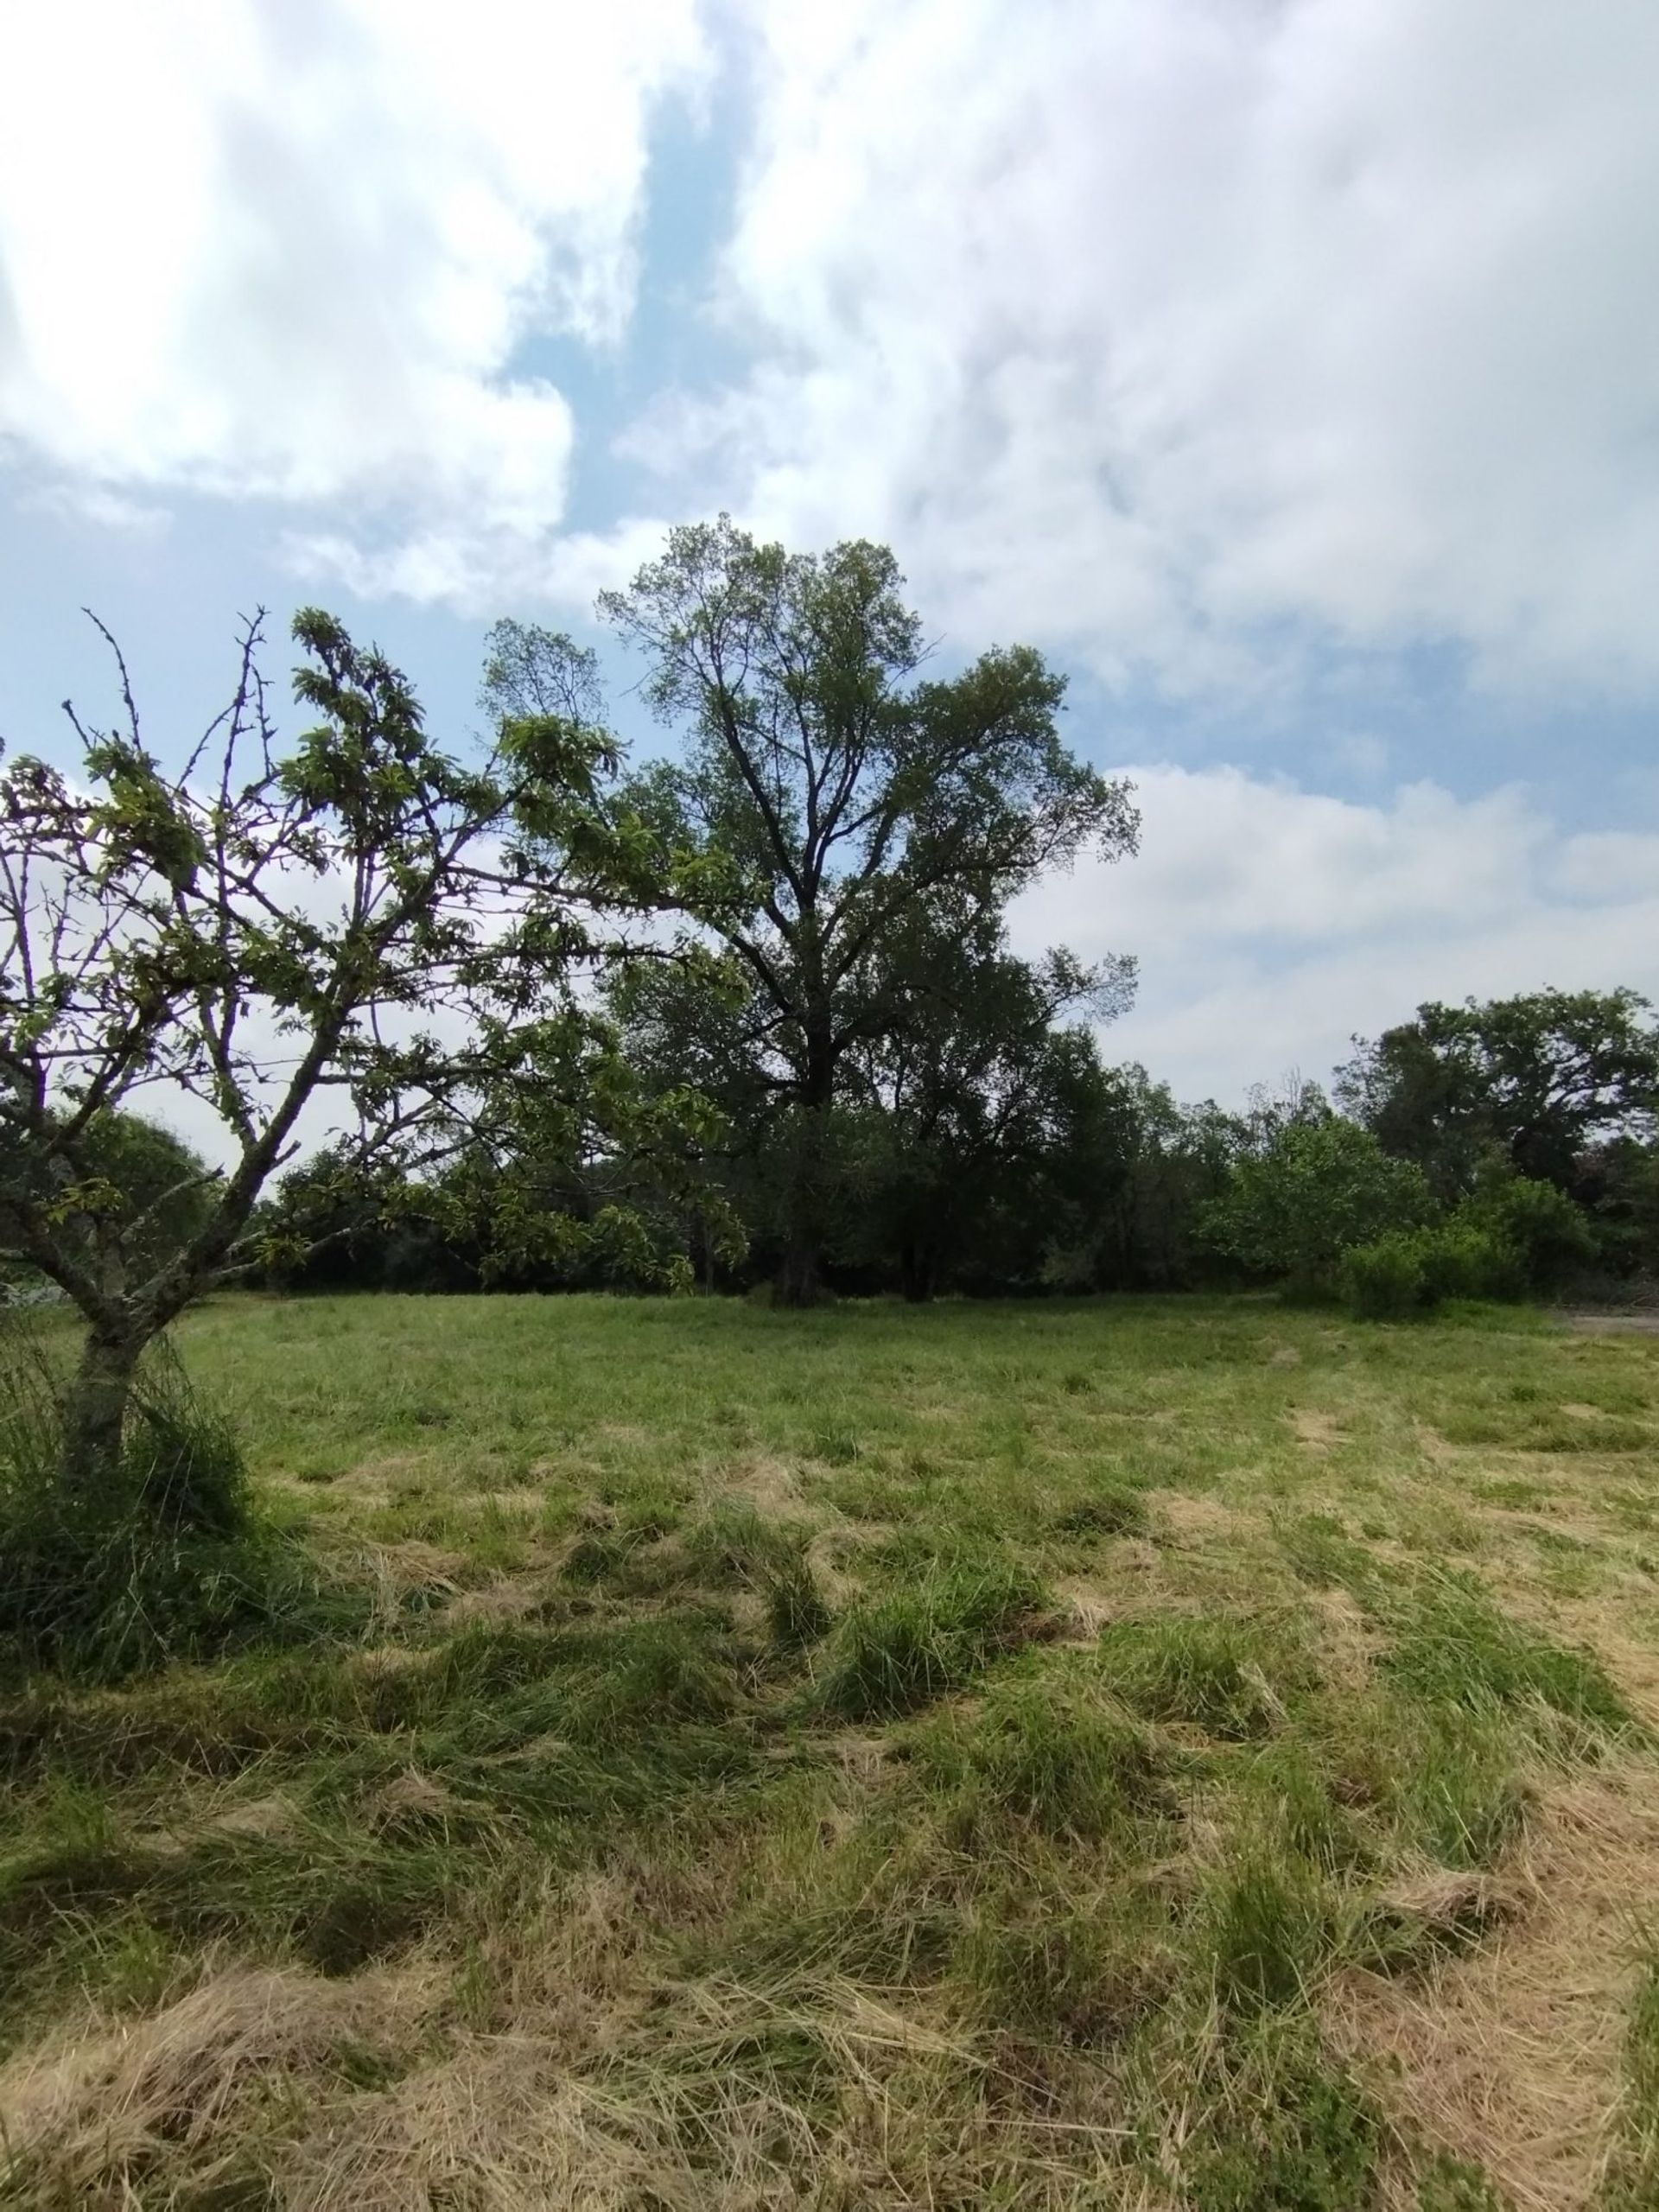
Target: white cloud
1272, 923
288, 249
1161, 330
475, 570
96, 507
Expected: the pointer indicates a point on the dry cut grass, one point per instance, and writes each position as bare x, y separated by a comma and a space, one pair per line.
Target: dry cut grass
1141, 1756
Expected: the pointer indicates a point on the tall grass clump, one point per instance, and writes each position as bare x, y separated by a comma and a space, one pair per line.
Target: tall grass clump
893, 1653
1454, 1648
165, 1559
1048, 1751
1209, 1672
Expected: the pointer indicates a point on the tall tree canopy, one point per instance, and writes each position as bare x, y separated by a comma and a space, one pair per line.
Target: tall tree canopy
252, 931
831, 805
1536, 1078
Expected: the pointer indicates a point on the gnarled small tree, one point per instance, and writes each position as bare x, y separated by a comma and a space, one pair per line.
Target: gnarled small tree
362, 919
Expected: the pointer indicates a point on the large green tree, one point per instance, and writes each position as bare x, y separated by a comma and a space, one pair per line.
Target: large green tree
362, 918
1320, 1185
1537, 1078
828, 792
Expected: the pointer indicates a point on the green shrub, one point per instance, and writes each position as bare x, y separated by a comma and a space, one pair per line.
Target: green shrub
1460, 1259
166, 1561
1384, 1281
1323, 1187
1410, 1271
1546, 1237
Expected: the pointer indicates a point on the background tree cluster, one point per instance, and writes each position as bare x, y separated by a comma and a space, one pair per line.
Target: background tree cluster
987, 1148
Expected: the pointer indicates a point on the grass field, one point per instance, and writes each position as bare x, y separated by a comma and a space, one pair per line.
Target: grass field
1136, 1754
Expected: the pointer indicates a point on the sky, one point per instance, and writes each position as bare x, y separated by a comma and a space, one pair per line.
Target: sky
1287, 370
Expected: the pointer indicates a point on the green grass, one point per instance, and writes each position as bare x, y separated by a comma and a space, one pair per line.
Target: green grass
975, 1755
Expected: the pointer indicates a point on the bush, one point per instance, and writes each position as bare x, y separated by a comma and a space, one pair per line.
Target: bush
1384, 1281
1321, 1188
1410, 1271
1462, 1260
167, 1561
1546, 1236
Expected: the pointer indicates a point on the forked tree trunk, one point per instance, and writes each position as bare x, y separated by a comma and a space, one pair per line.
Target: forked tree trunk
95, 1408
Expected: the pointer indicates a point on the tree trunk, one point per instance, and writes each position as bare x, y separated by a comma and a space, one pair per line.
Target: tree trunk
915, 1274
95, 1406
800, 1282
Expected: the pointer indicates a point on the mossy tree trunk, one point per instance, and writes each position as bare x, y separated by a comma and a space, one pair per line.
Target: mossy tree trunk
95, 1411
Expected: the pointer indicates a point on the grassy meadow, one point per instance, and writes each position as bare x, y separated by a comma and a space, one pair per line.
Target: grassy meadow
1131, 1754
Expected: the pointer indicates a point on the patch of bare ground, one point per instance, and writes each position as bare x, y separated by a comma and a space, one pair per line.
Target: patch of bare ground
508, 1597
1136, 1555
522, 1501
833, 1552
862, 1755
1088, 1608
1198, 1517
1643, 1322
501, 2124
273, 1818
372, 1481
410, 1563
1510, 2054
768, 1483
1316, 1431
1346, 1638
1435, 1447
1089, 1602
412, 1798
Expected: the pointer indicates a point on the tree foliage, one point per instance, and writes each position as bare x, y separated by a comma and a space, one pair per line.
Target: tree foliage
1536, 1078
1319, 1186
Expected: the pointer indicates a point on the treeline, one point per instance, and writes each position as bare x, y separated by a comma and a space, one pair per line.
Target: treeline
1502, 1149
